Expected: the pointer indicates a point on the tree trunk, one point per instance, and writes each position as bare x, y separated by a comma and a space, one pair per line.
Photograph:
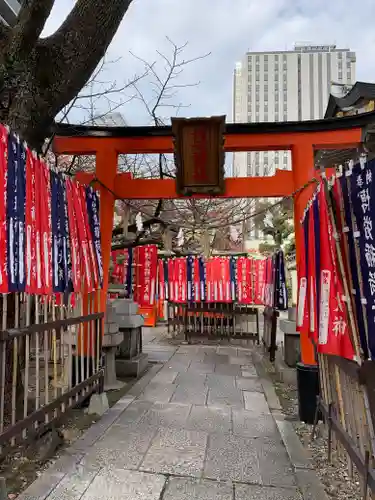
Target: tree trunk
39, 77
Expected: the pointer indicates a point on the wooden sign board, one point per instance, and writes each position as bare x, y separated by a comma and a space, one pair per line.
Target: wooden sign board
199, 155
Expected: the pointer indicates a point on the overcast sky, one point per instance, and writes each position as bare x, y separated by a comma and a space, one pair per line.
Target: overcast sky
227, 29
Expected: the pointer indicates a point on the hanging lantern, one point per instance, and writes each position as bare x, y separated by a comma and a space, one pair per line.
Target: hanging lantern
167, 240
180, 238
125, 220
206, 244
139, 222
233, 233
268, 219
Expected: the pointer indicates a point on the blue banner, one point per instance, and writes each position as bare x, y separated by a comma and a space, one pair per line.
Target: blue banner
356, 289
232, 271
92, 203
363, 203
190, 277
202, 278
16, 198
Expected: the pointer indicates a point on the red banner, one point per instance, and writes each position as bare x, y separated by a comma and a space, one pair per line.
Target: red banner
260, 268
145, 261
225, 293
44, 218
180, 279
161, 280
334, 334
32, 285
210, 281
3, 208
245, 280
88, 236
74, 240
171, 280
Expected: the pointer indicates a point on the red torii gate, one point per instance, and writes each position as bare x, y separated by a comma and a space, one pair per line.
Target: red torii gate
303, 139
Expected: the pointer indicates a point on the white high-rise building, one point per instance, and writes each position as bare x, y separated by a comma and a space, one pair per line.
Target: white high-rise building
285, 86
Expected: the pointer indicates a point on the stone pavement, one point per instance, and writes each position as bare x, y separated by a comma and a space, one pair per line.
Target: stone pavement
196, 426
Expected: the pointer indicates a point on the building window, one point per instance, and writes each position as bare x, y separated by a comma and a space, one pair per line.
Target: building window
276, 97
265, 87
276, 57
266, 57
339, 55
266, 104
276, 160
276, 106
249, 106
257, 58
277, 116
266, 77
276, 87
285, 117
340, 75
257, 108
257, 88
257, 77
265, 67
348, 75
249, 116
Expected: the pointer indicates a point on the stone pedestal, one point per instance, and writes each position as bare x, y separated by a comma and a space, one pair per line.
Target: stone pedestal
130, 360
111, 340
292, 350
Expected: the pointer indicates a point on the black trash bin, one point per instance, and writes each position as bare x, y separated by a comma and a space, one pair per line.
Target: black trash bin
308, 391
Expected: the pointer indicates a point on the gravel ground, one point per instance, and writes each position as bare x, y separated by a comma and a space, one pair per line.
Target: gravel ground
336, 478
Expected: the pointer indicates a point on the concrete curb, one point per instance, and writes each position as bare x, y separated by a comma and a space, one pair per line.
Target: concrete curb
307, 479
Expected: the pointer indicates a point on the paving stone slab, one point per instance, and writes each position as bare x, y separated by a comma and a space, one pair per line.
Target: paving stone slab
124, 449
228, 350
75, 483
176, 366
191, 378
249, 384
158, 356
233, 458
167, 415
217, 380
248, 424
226, 369
256, 402
275, 466
158, 393
165, 376
239, 360
247, 492
184, 359
201, 367
194, 489
118, 484
42, 487
217, 359
176, 452
195, 394
133, 413
225, 396
210, 419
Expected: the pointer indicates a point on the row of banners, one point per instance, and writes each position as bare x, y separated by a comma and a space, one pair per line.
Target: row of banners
49, 226
337, 267
195, 279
